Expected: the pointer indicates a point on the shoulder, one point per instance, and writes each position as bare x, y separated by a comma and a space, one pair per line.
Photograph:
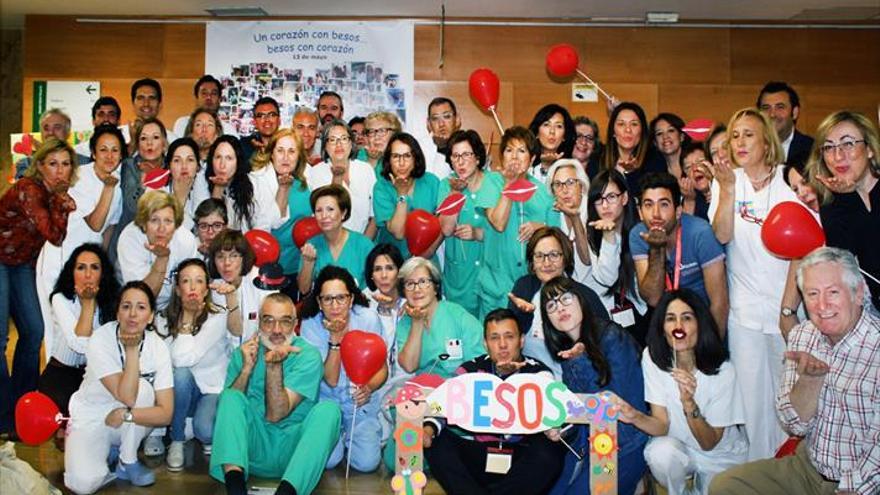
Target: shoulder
696, 228
533, 365
430, 180
526, 286
308, 353
184, 238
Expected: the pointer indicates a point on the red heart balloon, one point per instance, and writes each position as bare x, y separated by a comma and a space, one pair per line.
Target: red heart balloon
699, 129
421, 230
36, 418
452, 205
562, 60
520, 190
791, 231
363, 354
265, 246
484, 87
304, 229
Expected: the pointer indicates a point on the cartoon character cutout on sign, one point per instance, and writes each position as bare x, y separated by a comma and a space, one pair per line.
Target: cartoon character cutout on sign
409, 478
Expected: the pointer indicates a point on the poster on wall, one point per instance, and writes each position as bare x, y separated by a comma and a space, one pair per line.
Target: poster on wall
369, 63
75, 98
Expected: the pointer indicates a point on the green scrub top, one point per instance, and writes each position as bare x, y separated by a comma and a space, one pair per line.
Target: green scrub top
503, 255
424, 197
463, 259
297, 207
364, 157
453, 331
353, 256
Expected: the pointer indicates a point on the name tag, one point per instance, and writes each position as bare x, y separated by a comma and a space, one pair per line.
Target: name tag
498, 461
623, 316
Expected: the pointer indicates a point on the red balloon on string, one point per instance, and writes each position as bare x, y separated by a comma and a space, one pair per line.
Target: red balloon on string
520, 190
265, 246
421, 230
699, 129
36, 418
304, 229
157, 178
452, 205
363, 355
562, 60
791, 231
484, 87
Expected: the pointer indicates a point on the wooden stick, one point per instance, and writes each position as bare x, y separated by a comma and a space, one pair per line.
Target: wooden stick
497, 120
582, 74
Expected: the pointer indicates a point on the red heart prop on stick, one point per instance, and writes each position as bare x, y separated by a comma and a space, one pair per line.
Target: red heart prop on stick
25, 146
363, 355
421, 230
157, 178
520, 190
304, 229
484, 87
791, 231
452, 205
562, 60
36, 418
265, 246
699, 129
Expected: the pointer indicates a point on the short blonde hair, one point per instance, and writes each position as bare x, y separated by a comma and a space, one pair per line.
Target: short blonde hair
387, 117
775, 154
816, 165
263, 158
153, 201
49, 146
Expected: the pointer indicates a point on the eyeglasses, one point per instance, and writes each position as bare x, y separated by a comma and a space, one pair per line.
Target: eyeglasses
467, 155
337, 299
847, 146
269, 322
397, 157
564, 299
421, 283
553, 256
204, 227
567, 183
338, 140
437, 117
585, 137
381, 132
227, 257
266, 115
610, 198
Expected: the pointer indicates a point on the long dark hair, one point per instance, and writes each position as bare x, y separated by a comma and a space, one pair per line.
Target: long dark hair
710, 351
311, 307
591, 330
612, 154
174, 311
108, 286
241, 190
626, 271
543, 115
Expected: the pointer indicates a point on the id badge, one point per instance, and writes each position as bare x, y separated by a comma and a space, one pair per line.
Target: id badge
498, 461
453, 348
624, 317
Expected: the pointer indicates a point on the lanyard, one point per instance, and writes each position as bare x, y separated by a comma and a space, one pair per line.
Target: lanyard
676, 269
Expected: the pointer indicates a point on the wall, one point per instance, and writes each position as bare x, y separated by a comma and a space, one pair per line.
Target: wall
695, 72
10, 95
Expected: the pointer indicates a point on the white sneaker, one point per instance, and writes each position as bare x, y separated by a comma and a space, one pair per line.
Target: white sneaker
154, 446
174, 460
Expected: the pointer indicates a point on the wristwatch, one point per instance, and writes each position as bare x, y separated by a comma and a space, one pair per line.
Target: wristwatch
695, 414
127, 416
786, 311
401, 199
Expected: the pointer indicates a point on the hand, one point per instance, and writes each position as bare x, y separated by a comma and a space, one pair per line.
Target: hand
527, 229
457, 184
464, 232
222, 287
61, 187
553, 434
114, 418
249, 352
220, 181
361, 395
130, 340
626, 164
837, 185
309, 253
337, 329
656, 238
382, 299
65, 201
401, 184
575, 351
258, 144
280, 353
550, 157
627, 413
110, 180
705, 168
688, 190
86, 291
725, 176
602, 224
159, 249
509, 367
315, 159
569, 211
611, 104
428, 433
285, 180
807, 364
414, 312
521, 304
687, 385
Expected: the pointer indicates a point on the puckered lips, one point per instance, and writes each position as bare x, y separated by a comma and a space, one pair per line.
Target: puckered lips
679, 334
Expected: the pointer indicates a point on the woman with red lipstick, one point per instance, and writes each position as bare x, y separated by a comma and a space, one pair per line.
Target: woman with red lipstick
741, 199
690, 386
846, 161
629, 147
667, 131
553, 127
149, 143
595, 355
195, 331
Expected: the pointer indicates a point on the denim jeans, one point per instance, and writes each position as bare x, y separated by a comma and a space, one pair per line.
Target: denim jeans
189, 401
18, 299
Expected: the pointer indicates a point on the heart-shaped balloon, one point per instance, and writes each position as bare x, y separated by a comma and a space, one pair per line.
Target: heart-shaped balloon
304, 229
791, 231
36, 418
520, 190
699, 129
421, 230
363, 355
452, 205
265, 246
484, 87
157, 178
562, 60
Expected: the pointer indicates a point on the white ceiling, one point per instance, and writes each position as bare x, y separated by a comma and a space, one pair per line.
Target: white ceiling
807, 11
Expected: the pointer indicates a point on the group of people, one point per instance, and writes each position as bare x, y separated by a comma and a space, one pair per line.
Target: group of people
636, 267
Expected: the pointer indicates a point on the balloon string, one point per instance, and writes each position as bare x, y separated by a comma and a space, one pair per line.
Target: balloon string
350, 440
582, 74
497, 120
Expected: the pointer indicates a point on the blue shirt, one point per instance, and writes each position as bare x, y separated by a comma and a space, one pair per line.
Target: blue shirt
699, 249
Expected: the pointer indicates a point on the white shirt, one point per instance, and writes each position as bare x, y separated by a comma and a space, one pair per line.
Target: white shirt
250, 298
206, 353
135, 260
68, 347
604, 272
106, 357
755, 278
435, 162
362, 178
267, 215
581, 269
786, 145
197, 193
181, 123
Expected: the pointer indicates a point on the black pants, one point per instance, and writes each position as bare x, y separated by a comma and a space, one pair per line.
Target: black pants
59, 382
459, 465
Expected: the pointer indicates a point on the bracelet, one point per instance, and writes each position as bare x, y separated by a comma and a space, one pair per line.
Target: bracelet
231, 310
335, 347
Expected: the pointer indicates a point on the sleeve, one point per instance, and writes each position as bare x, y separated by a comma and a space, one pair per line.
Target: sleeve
654, 390
266, 211
443, 190
865, 478
490, 191
607, 264
724, 406
784, 408
66, 320
637, 246
102, 356
50, 220
311, 332
384, 201
234, 367
304, 376
164, 371
188, 350
134, 260
708, 249
713, 205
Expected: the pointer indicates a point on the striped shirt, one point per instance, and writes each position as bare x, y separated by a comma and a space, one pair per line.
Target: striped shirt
844, 435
